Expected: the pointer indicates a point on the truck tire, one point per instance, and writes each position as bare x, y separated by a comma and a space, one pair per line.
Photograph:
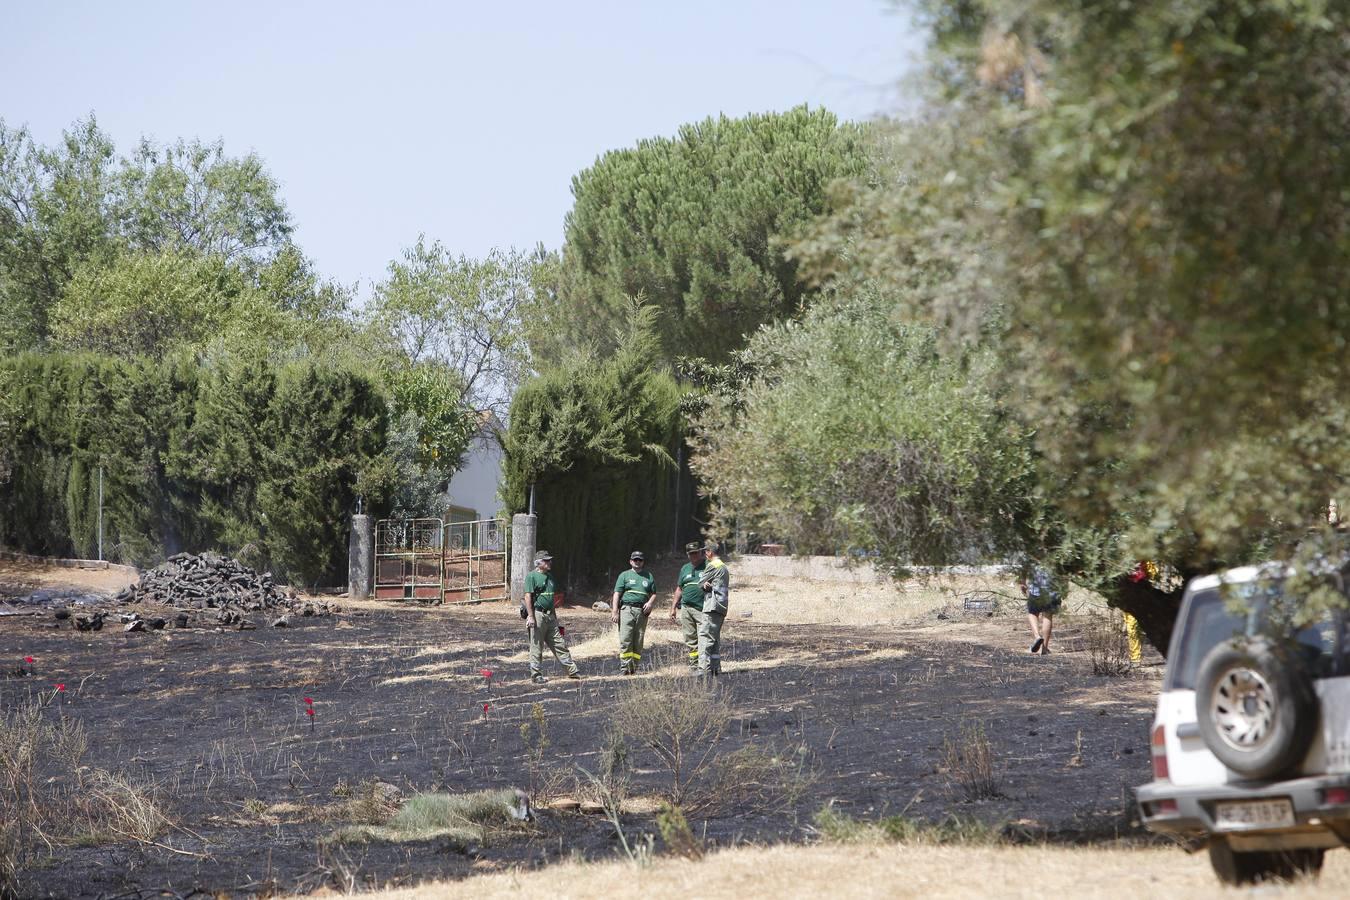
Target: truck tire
1256, 708
1232, 867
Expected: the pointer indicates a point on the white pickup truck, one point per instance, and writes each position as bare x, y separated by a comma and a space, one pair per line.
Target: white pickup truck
1251, 742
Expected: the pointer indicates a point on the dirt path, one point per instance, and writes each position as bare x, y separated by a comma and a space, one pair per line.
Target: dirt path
867, 686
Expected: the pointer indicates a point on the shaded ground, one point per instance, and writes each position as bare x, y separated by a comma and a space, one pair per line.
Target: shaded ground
866, 684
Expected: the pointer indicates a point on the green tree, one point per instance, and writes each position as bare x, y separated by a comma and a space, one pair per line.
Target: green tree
233, 453
692, 224
460, 313
190, 195
180, 233
154, 303
55, 213
1144, 208
596, 437
923, 465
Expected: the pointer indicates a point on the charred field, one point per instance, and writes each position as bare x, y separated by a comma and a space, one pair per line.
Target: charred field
873, 712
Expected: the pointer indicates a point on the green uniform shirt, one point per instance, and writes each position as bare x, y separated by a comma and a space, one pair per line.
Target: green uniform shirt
539, 585
691, 585
635, 588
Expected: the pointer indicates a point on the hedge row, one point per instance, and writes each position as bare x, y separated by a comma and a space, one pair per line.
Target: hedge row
599, 439
256, 459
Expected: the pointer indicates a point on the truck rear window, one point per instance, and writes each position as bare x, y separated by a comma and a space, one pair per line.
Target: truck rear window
1210, 621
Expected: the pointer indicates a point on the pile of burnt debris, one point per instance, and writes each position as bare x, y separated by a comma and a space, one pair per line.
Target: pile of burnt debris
210, 589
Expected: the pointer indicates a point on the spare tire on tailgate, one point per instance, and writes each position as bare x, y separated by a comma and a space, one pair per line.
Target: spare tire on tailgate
1256, 707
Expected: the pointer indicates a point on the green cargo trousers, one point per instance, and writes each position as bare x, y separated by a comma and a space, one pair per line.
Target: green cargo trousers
710, 642
632, 629
546, 634
691, 620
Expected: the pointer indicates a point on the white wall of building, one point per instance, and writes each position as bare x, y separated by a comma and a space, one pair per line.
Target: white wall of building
475, 486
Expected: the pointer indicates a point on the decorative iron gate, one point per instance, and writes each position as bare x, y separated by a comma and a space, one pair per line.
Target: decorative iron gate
427, 559
476, 565
408, 559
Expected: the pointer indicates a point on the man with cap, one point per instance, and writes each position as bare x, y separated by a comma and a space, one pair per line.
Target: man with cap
634, 595
716, 586
543, 620
687, 600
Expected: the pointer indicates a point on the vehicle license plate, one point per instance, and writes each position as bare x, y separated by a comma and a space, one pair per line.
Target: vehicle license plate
1254, 814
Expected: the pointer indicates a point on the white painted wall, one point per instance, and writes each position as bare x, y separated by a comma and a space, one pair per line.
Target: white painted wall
476, 484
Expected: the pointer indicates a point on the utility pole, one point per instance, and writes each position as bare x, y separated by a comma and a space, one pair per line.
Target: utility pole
675, 531
100, 512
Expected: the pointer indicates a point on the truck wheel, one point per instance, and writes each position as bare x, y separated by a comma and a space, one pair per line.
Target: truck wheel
1256, 708
1232, 867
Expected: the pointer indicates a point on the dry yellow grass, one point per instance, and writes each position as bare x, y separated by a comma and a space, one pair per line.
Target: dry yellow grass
38, 575
795, 602
846, 872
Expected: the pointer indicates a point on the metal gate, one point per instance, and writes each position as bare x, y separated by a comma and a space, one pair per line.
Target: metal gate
475, 563
427, 559
408, 559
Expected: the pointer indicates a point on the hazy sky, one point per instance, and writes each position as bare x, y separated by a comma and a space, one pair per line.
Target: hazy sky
465, 121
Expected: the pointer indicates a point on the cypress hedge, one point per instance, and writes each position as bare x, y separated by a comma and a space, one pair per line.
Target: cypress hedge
598, 439
252, 458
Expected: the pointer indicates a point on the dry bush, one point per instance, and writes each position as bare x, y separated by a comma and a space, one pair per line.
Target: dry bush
126, 808
1108, 645
765, 778
683, 723
45, 795
24, 742
968, 760
678, 720
547, 780
372, 802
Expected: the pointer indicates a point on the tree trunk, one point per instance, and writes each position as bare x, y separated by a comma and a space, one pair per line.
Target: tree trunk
1155, 610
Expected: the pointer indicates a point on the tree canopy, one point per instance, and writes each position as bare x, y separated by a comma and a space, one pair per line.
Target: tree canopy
693, 226
597, 438
1140, 210
859, 434
74, 217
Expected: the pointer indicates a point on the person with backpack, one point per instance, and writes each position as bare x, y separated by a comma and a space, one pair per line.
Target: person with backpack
1043, 601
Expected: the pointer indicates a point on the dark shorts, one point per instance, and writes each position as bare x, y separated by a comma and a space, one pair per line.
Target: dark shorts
1043, 606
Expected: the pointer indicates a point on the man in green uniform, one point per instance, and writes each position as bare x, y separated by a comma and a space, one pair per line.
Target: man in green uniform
716, 588
543, 620
687, 601
634, 595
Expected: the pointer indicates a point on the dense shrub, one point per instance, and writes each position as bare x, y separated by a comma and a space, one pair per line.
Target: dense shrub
598, 439
238, 455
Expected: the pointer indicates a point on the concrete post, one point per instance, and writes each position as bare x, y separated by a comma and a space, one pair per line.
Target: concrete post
524, 534
360, 558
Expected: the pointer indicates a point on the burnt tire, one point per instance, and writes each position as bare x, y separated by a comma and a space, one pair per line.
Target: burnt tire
1232, 867
1256, 708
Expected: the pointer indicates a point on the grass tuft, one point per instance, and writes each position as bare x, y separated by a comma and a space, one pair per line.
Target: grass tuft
461, 819
835, 827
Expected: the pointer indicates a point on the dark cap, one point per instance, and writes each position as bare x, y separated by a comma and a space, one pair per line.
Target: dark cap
693, 547
542, 555
636, 554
